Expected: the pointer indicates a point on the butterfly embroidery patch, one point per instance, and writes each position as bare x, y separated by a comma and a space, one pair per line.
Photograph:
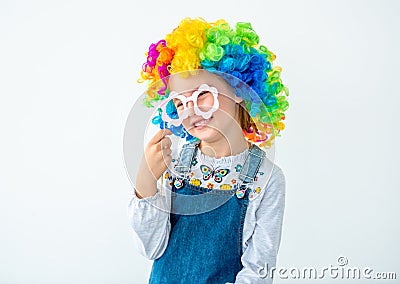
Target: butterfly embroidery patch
217, 174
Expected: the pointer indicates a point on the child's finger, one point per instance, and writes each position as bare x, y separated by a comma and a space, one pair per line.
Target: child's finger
160, 135
166, 152
166, 143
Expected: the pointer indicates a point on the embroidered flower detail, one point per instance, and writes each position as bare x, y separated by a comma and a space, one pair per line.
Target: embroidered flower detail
173, 160
194, 161
170, 183
233, 181
225, 186
238, 168
258, 190
195, 182
261, 173
210, 185
191, 174
166, 175
255, 178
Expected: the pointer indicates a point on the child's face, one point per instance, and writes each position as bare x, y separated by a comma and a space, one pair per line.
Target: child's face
222, 121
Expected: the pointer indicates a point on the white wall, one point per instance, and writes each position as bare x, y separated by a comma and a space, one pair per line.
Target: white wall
68, 80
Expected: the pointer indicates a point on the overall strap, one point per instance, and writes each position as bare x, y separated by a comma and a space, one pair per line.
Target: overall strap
186, 156
251, 165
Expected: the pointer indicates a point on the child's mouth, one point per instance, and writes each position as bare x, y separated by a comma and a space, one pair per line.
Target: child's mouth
200, 124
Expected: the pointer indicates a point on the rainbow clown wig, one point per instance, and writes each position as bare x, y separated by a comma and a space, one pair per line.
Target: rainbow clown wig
216, 47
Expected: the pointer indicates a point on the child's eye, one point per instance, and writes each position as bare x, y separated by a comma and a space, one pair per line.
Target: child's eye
177, 103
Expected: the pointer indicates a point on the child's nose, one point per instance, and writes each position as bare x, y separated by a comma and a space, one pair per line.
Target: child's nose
190, 106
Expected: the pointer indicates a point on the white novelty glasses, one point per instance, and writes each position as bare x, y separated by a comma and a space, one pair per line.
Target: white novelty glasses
181, 101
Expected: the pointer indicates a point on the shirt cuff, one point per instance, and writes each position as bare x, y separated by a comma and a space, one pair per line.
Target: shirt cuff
150, 208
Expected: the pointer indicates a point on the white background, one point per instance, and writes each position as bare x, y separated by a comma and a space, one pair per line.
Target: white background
68, 74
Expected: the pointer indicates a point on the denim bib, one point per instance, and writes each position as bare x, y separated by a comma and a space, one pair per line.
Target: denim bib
205, 247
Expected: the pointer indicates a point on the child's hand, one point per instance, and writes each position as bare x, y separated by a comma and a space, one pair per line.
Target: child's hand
158, 153
155, 161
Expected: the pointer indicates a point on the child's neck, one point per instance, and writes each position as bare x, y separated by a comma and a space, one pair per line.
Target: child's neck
220, 149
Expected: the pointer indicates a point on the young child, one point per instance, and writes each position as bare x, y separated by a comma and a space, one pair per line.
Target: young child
222, 221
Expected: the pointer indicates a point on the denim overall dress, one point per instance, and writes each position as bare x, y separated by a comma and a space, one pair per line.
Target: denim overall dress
205, 247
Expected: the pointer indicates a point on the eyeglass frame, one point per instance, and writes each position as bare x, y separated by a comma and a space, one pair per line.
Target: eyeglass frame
185, 100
